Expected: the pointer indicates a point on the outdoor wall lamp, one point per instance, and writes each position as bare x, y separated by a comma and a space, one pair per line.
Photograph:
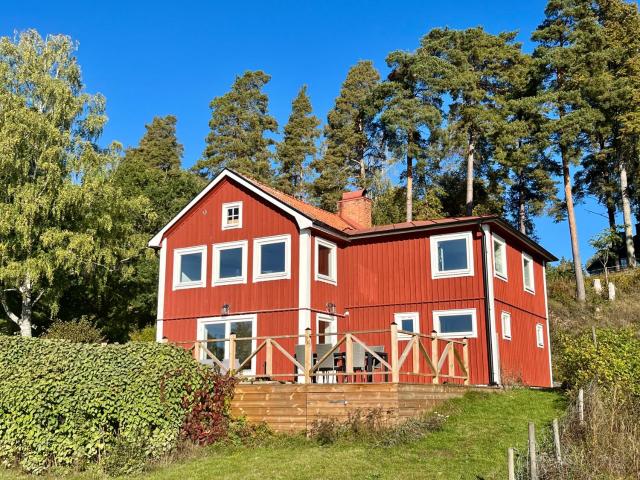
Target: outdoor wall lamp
331, 307
225, 309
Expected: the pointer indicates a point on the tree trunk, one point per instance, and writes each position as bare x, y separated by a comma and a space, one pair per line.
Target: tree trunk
626, 214
27, 311
470, 164
573, 229
611, 214
522, 215
409, 188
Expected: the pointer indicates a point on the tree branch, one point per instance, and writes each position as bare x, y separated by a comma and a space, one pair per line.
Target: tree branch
12, 316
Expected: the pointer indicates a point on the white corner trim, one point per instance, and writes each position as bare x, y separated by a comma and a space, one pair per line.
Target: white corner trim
546, 314
333, 261
177, 255
217, 248
491, 304
301, 220
161, 287
304, 283
257, 258
463, 272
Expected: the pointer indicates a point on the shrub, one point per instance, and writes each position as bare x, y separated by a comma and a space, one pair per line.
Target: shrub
146, 334
78, 331
68, 404
613, 363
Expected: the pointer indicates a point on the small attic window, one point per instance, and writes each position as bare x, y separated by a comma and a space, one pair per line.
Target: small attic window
231, 215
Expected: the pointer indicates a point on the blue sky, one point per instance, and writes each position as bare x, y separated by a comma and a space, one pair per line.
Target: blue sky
159, 58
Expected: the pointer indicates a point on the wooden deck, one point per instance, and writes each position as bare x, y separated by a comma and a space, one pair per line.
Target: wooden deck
295, 407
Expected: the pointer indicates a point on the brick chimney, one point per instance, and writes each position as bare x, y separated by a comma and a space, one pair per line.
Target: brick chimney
355, 208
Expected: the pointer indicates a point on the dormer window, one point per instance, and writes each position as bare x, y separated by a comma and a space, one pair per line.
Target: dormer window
231, 215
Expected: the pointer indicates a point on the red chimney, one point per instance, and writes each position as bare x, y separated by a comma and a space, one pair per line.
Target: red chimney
355, 208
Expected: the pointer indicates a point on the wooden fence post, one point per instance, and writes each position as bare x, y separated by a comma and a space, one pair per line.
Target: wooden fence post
435, 355
268, 369
533, 459
307, 355
416, 354
232, 353
395, 371
348, 348
196, 350
581, 406
465, 359
511, 464
556, 440
451, 359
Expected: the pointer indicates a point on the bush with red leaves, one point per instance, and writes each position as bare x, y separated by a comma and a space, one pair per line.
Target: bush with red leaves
207, 407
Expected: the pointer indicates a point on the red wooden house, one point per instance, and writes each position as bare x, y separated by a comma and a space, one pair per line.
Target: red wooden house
243, 258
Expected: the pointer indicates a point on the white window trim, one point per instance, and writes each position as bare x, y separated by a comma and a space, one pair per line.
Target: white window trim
217, 248
540, 335
506, 320
473, 333
333, 259
225, 206
257, 258
202, 335
398, 317
531, 289
500, 241
177, 255
323, 317
462, 272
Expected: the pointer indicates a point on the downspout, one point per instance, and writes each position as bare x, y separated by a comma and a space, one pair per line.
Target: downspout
493, 355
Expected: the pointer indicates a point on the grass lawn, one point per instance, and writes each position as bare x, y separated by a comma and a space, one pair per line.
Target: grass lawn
472, 445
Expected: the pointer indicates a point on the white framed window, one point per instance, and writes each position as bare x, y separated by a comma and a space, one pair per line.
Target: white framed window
326, 261
452, 255
456, 323
540, 335
407, 321
506, 325
327, 328
230, 263
499, 257
527, 273
272, 258
231, 215
189, 267
215, 328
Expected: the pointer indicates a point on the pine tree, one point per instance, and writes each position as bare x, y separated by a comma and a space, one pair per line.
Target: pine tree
298, 145
239, 122
159, 146
353, 149
477, 72
558, 55
411, 115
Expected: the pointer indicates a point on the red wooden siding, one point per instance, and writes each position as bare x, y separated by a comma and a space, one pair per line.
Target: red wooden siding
520, 358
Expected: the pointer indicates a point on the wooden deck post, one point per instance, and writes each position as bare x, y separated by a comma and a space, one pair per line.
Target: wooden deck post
435, 355
268, 369
533, 459
232, 353
348, 344
465, 359
395, 370
196, 350
307, 355
416, 354
451, 360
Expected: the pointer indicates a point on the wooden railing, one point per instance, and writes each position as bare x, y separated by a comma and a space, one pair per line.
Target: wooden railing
430, 351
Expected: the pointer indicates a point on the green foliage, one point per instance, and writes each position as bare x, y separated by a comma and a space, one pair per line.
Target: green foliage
353, 150
613, 363
77, 331
68, 404
239, 122
297, 146
146, 334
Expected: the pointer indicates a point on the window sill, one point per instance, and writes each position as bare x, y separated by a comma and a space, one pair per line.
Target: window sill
504, 278
231, 227
187, 286
452, 274
229, 281
528, 290
322, 278
272, 277
457, 335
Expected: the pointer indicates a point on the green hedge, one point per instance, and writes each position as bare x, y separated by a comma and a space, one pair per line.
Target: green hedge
64, 403
614, 362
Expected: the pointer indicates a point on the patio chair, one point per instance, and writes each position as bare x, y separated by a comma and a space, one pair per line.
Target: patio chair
373, 361
359, 359
328, 364
299, 356
225, 366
